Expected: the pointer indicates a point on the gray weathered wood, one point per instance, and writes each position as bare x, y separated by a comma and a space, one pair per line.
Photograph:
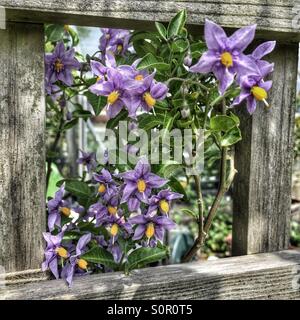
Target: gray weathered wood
22, 158
262, 188
274, 17
261, 276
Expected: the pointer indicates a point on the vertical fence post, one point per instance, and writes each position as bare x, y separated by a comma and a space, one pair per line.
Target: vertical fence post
22, 157
262, 189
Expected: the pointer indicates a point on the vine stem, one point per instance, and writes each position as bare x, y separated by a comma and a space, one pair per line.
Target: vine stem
53, 149
225, 183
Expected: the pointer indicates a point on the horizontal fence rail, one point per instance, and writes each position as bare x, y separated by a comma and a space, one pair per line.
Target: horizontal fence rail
261, 276
276, 19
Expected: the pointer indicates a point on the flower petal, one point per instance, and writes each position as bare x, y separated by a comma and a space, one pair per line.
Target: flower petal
251, 104
263, 49
225, 77
139, 232
206, 63
215, 36
242, 38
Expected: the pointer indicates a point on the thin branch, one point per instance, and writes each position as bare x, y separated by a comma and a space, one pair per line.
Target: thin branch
225, 183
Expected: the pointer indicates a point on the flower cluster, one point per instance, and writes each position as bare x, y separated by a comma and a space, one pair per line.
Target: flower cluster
128, 206
226, 59
114, 40
126, 86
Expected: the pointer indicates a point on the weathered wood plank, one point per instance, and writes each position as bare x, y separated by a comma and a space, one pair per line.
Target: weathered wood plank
261, 276
274, 18
22, 158
262, 189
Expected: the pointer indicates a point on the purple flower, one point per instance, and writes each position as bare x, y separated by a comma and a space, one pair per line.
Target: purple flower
144, 93
88, 159
115, 250
100, 70
114, 40
102, 211
162, 201
53, 251
225, 55
264, 67
56, 207
106, 183
114, 90
151, 226
116, 223
60, 63
75, 262
253, 89
52, 90
139, 182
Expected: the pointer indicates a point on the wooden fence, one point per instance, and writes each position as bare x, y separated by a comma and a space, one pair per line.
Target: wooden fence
262, 190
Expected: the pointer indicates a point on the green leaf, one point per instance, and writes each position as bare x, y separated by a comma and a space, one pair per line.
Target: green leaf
143, 47
100, 256
176, 186
150, 61
70, 124
54, 32
84, 114
222, 123
71, 235
74, 36
231, 137
149, 121
190, 213
161, 30
169, 170
180, 45
177, 23
97, 102
143, 256
235, 118
112, 123
78, 188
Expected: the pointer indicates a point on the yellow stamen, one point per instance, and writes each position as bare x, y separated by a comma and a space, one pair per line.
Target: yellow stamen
98, 78
150, 230
114, 229
164, 206
149, 100
112, 210
82, 264
101, 188
139, 77
62, 252
141, 185
58, 65
113, 97
65, 211
226, 59
259, 93
119, 48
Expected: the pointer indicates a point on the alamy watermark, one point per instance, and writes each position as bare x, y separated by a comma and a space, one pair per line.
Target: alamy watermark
2, 18
177, 147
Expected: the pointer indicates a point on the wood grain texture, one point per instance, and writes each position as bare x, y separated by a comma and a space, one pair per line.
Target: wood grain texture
262, 188
22, 158
261, 276
273, 17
